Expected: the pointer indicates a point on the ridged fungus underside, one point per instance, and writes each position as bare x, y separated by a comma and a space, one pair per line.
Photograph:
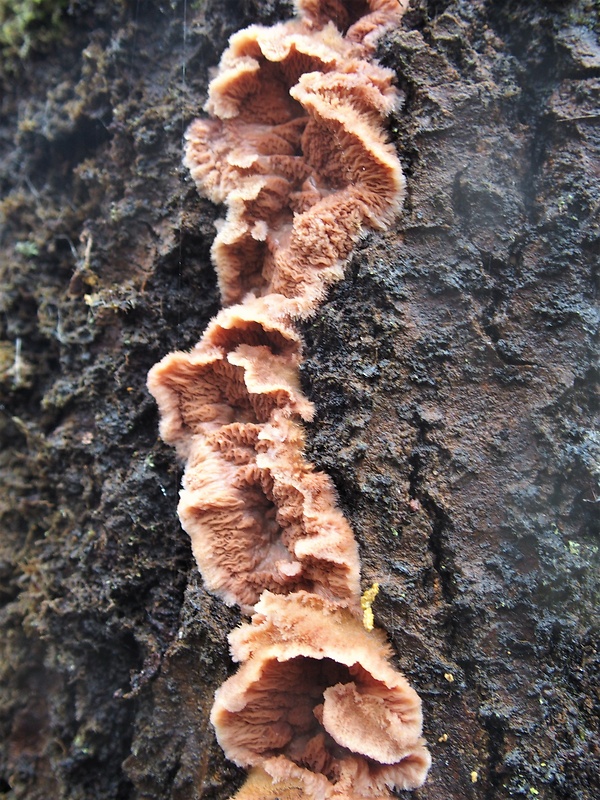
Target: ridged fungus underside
295, 149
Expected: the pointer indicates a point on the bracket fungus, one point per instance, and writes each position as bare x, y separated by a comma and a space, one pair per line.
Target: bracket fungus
316, 700
296, 150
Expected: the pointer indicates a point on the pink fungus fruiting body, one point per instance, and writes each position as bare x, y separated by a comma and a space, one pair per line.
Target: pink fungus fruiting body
319, 703
295, 148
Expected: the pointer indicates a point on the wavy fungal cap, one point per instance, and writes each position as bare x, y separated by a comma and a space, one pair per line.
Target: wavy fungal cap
298, 152
245, 367
317, 701
260, 517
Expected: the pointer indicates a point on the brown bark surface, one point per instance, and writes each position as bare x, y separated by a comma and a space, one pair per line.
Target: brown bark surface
453, 371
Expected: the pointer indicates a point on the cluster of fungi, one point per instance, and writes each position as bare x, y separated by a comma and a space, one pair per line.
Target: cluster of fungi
295, 148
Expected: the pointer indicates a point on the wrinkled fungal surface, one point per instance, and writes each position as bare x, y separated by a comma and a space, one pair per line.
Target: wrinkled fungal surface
317, 699
453, 375
297, 153
296, 150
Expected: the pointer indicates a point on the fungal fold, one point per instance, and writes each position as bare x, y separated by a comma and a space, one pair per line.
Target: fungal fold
295, 149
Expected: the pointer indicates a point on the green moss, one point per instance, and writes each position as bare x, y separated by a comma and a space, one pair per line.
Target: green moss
27, 248
27, 25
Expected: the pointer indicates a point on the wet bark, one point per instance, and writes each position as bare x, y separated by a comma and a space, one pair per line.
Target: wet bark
453, 371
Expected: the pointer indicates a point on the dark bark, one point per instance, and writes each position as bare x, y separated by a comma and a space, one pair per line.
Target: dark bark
453, 372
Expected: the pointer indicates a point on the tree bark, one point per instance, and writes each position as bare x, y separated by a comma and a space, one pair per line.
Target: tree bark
453, 371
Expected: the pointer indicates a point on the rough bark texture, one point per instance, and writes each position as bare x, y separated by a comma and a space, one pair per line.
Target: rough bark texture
453, 372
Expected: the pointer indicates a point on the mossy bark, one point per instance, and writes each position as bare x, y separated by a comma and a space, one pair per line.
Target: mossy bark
453, 371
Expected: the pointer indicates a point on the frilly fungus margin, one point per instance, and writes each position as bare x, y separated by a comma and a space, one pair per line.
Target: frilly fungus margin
295, 149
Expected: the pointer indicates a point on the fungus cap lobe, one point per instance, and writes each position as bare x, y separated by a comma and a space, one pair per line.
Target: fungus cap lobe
297, 152
298, 138
260, 517
317, 690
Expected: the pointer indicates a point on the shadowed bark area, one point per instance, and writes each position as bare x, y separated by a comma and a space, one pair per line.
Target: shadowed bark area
454, 372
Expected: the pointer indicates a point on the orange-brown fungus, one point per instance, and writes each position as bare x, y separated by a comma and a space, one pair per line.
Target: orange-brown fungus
316, 699
260, 518
361, 20
298, 152
295, 148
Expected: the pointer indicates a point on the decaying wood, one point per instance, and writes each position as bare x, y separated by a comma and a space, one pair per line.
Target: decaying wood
452, 370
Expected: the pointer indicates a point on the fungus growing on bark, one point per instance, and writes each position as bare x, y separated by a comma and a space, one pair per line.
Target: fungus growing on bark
316, 700
245, 365
258, 515
297, 152
362, 20
260, 518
